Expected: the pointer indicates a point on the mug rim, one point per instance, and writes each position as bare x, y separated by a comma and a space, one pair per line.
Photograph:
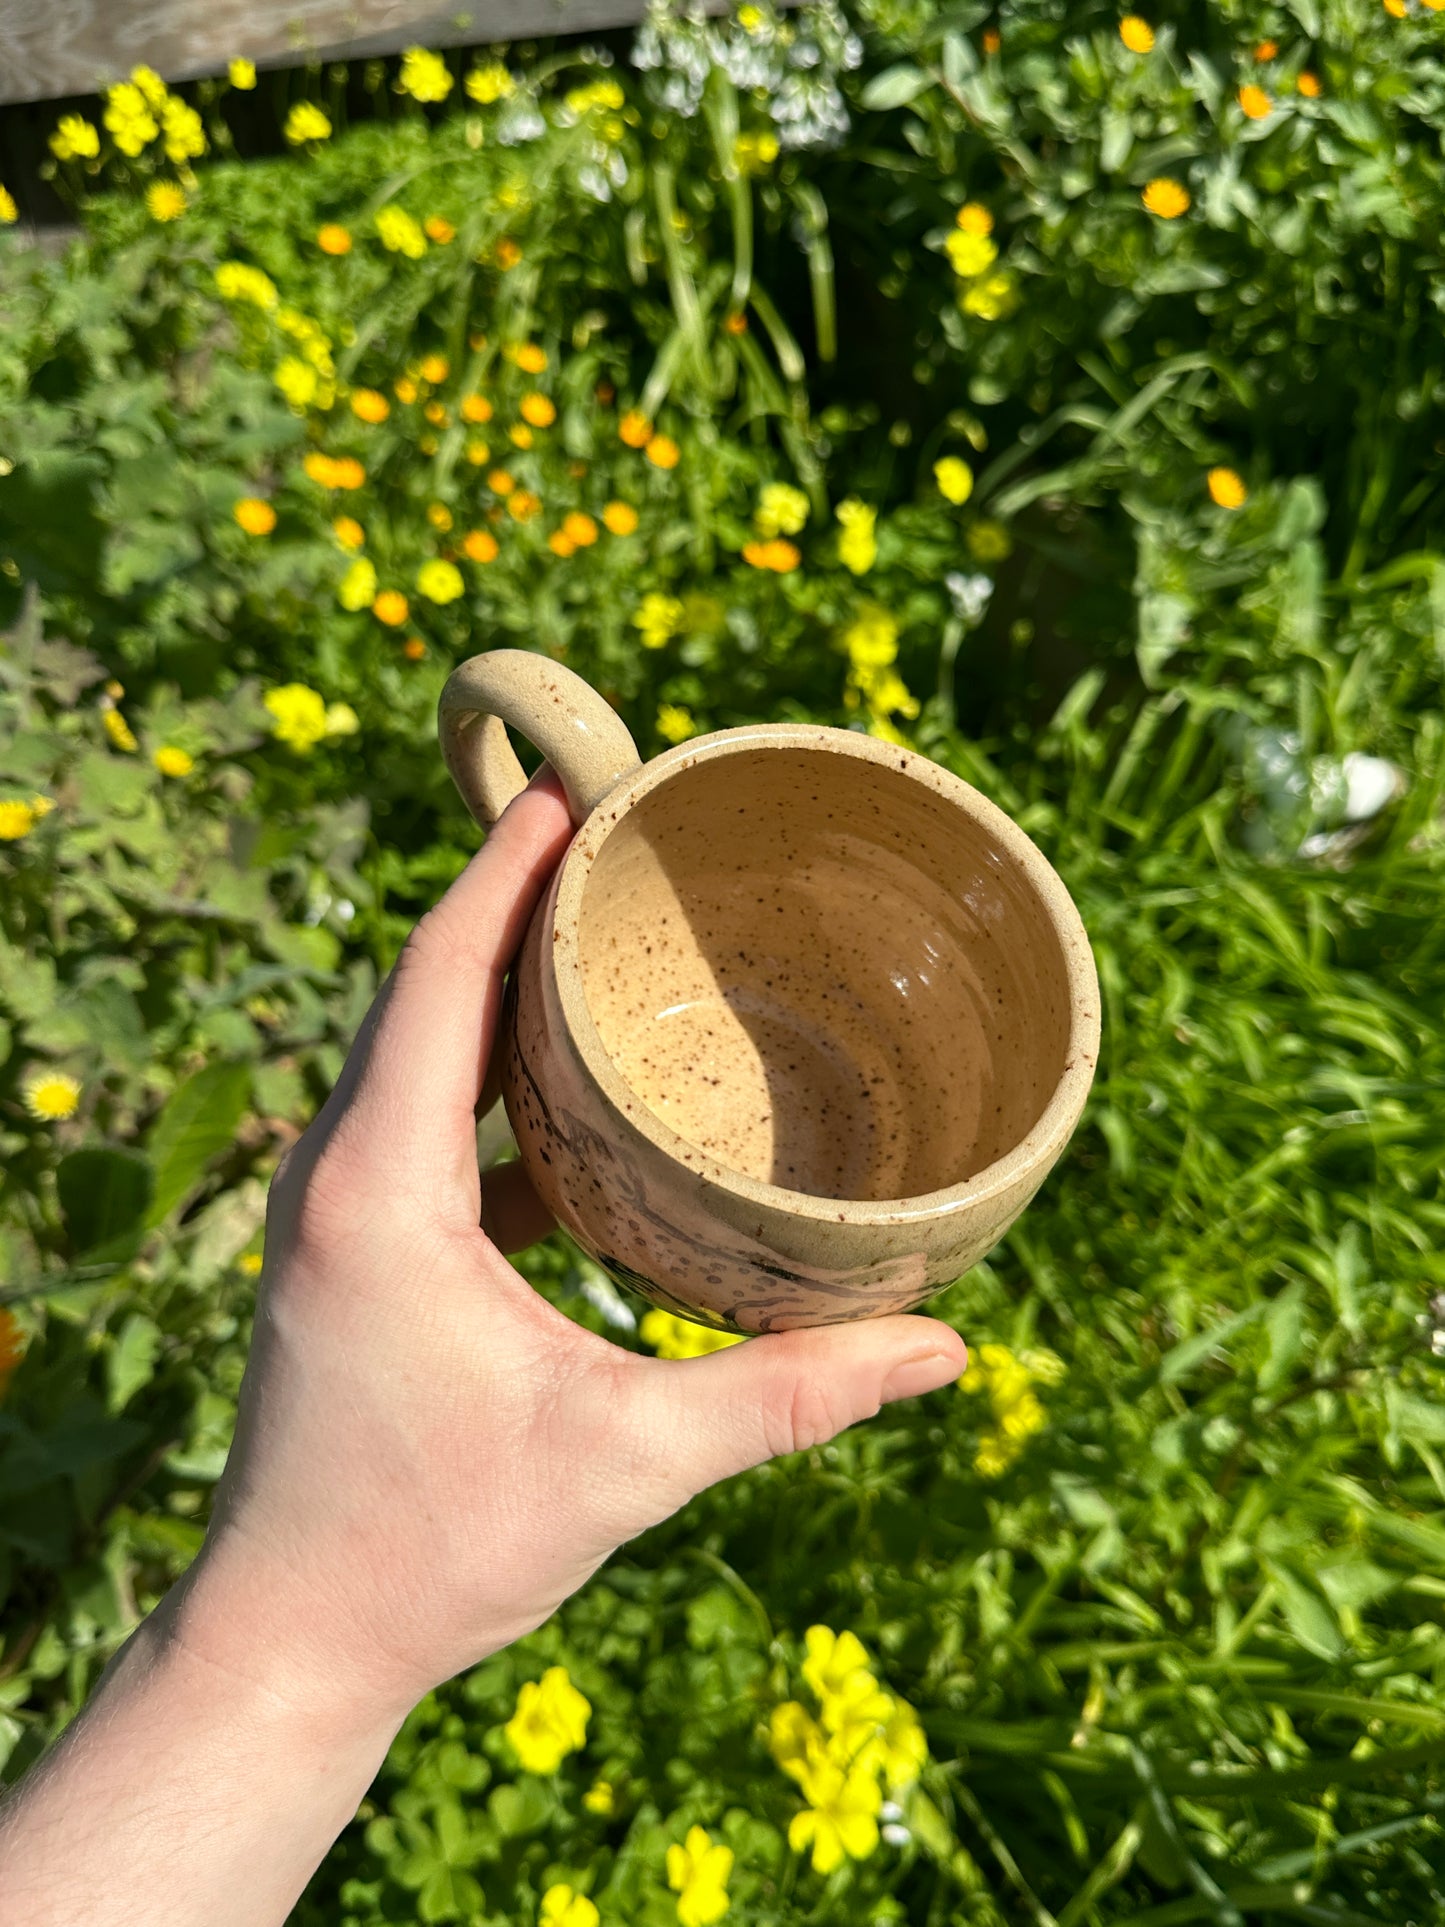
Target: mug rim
1036, 1150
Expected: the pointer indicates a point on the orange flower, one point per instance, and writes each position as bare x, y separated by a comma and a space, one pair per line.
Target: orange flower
12, 1346
349, 532
478, 545
1266, 50
1396, 9
560, 543
347, 472
605, 393
434, 368
538, 410
390, 607
635, 429
580, 529
992, 40
405, 390
439, 515
438, 230
369, 405
1309, 85
476, 408
782, 557
1136, 34
519, 435
1226, 488
507, 253
735, 324
478, 451
500, 482
333, 239
435, 412
528, 357
1166, 198
662, 451
524, 505
413, 648
1255, 102
255, 516
974, 218
620, 518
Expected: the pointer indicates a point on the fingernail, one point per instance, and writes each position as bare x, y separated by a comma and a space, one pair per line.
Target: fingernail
924, 1372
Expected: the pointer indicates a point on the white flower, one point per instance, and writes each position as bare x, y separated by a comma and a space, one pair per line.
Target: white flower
969, 595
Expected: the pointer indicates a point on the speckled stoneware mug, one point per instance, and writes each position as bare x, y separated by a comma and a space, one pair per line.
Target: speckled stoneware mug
801, 1023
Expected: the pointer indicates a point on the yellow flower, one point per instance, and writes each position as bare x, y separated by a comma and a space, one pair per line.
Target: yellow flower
297, 379
857, 545
434, 368
16, 820
668, 1336
424, 75
41, 806
357, 589
779, 556
1396, 9
1007, 1380
128, 118
489, 83
529, 357
479, 545
306, 122
507, 253
369, 405
697, 1873
165, 201
440, 581
478, 451
781, 510
1309, 85
332, 238
620, 518
751, 19
405, 390
1166, 198
298, 713
753, 153
75, 139
841, 1816
119, 731
341, 720
399, 233
562, 1906
391, 607
991, 299
604, 94
439, 515
500, 482
476, 408
242, 75
1227, 489
438, 230
150, 84
339, 471
171, 761
250, 1264
185, 138
1136, 34
1266, 50
833, 1660
51, 1095
662, 451
974, 218
550, 1721
658, 618
9, 212
635, 429
538, 410
235, 281
1255, 103
970, 254
599, 1798
523, 505
796, 1741
954, 478
902, 1747
579, 529
519, 435
256, 517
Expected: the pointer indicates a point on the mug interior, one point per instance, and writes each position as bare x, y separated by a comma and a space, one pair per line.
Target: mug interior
824, 974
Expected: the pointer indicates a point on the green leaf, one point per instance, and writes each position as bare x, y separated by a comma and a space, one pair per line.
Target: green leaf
199, 1121
104, 1197
895, 86
1183, 1359
520, 1809
131, 1361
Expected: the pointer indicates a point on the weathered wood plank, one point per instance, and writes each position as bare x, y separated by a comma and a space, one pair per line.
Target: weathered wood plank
79, 46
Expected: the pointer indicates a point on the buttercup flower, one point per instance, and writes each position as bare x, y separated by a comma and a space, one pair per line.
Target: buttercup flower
658, 618
476, 408
150, 84
298, 715
1136, 34
306, 122
242, 75
128, 118
16, 820
405, 390
782, 510
635, 429
256, 517
489, 83
697, 1873
479, 545
596, 94
795, 1740
902, 1748
833, 1660
538, 410
75, 139
668, 1336
1226, 488
779, 556
954, 478
857, 545
357, 588
550, 1721
173, 761
399, 233
619, 518
334, 471
165, 201
562, 1906
1166, 198
332, 238
1255, 103
424, 75
440, 581
391, 607
181, 129
51, 1096
841, 1816
662, 451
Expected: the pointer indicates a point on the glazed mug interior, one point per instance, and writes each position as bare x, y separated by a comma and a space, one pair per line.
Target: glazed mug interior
822, 973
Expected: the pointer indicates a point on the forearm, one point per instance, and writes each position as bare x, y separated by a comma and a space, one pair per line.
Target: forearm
184, 1793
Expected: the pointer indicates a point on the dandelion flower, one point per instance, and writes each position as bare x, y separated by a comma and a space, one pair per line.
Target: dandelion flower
530, 358
635, 429
954, 478
1255, 103
662, 451
1266, 50
1166, 198
306, 122
165, 201
16, 820
357, 589
439, 515
782, 510
992, 40
424, 75
440, 581
478, 451
75, 139
51, 1096
1226, 488
391, 607
974, 218
579, 529
777, 555
1309, 85
479, 545
9, 212
476, 408
369, 405
256, 517
332, 238
434, 368
1136, 34
489, 83
538, 410
173, 761
619, 518
399, 233
697, 1873
500, 482
560, 543
523, 505
519, 435
438, 230
242, 75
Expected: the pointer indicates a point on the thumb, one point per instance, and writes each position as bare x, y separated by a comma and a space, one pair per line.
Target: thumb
714, 1416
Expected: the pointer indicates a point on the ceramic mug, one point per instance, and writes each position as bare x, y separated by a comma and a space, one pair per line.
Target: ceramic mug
802, 1021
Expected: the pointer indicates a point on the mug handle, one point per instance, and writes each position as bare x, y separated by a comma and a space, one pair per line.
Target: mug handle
581, 736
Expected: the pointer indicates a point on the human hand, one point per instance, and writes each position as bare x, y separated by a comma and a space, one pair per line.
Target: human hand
429, 1457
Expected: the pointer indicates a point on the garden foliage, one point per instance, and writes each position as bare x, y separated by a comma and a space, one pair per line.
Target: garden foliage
1058, 394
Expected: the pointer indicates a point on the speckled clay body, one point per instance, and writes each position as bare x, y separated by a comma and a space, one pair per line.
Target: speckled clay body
802, 1022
